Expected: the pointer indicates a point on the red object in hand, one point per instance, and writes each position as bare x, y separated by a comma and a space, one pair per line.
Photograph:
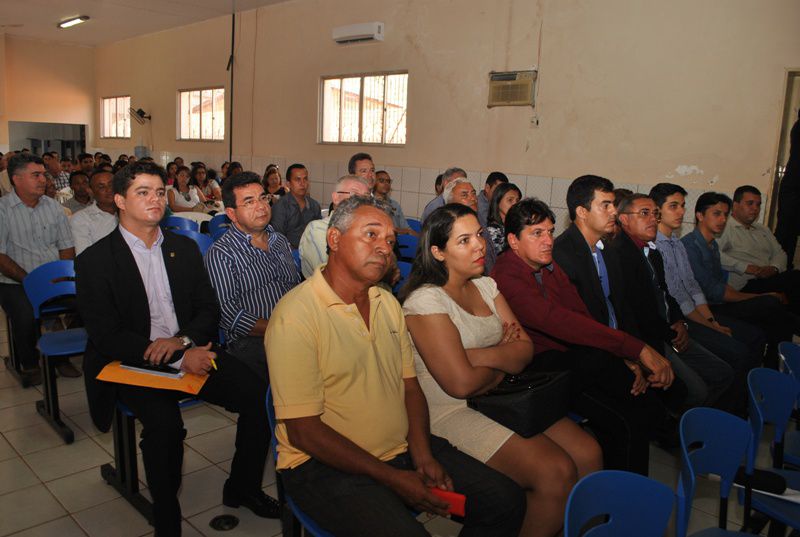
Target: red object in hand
455, 500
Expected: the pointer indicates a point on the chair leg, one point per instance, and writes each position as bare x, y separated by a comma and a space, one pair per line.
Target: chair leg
290, 526
12, 364
48, 407
125, 476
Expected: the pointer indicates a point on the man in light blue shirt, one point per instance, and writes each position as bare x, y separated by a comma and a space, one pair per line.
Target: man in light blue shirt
33, 231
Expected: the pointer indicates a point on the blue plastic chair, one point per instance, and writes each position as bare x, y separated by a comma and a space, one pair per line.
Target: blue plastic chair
297, 262
306, 521
405, 270
204, 242
52, 281
772, 398
790, 358
218, 225
633, 505
408, 246
173, 223
414, 224
712, 442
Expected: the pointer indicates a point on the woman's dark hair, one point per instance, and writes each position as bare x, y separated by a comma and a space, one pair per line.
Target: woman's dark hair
436, 230
527, 212
232, 168
497, 196
193, 174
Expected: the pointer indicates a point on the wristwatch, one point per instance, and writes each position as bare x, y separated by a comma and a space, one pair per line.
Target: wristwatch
185, 341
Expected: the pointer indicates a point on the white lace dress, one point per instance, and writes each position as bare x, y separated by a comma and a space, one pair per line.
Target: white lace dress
451, 418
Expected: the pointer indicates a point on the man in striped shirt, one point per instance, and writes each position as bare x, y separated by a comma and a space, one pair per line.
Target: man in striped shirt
251, 267
33, 231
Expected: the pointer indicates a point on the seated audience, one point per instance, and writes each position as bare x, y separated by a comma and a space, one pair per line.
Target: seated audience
53, 166
273, 184
86, 163
33, 231
131, 159
763, 310
81, 193
292, 213
460, 190
172, 173
142, 306
313, 243
361, 165
466, 339
199, 178
66, 166
449, 174
234, 168
751, 254
98, 219
184, 196
223, 171
251, 267
354, 444
493, 180
437, 185
505, 196
382, 191
739, 343
5, 181
661, 322
179, 162
611, 370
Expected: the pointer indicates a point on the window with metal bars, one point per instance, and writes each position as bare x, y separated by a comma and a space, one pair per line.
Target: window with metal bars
201, 114
116, 123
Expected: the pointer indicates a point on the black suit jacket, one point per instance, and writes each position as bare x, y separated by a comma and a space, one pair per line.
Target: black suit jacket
113, 305
574, 256
643, 294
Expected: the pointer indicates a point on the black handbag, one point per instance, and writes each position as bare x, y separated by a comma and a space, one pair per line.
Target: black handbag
527, 403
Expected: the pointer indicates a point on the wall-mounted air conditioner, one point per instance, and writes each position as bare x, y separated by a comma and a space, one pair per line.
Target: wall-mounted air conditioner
356, 33
511, 88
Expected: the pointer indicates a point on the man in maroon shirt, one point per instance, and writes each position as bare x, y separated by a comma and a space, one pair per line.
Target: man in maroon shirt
612, 370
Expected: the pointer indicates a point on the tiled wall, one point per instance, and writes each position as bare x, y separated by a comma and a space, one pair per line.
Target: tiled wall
413, 187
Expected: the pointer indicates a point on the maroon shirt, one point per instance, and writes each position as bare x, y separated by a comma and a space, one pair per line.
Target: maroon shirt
552, 313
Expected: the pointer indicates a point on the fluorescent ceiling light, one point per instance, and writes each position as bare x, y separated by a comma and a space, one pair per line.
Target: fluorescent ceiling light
72, 22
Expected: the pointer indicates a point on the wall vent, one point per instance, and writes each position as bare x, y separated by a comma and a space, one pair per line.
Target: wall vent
511, 88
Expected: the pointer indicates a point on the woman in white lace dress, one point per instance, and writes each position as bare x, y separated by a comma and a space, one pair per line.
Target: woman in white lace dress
466, 339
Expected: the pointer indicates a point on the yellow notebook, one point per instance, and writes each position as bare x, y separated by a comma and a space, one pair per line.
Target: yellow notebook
189, 382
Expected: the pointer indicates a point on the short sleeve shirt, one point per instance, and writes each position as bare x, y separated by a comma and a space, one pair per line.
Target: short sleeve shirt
32, 236
324, 361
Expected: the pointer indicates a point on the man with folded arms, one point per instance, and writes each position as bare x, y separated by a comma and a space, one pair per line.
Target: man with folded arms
354, 446
145, 298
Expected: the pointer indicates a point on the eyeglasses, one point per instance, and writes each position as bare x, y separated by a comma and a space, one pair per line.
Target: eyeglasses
647, 213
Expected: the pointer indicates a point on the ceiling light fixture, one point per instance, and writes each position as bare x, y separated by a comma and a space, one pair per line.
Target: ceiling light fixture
73, 21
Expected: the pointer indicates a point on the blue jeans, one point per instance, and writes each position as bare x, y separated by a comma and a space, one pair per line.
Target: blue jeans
706, 375
356, 505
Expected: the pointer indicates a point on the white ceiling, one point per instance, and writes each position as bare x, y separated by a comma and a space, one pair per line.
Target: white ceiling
111, 20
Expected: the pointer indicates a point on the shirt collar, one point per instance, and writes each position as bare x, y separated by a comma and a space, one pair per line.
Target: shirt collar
599, 244
242, 236
327, 295
134, 241
16, 200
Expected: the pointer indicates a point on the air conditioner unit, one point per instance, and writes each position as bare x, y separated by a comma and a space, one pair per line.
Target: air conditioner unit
511, 88
356, 33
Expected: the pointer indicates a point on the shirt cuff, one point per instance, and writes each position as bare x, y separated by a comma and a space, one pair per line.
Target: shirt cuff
699, 300
687, 306
243, 323
631, 347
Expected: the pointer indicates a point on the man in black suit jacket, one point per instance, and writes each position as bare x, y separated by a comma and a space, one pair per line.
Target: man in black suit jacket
661, 323
145, 297
624, 422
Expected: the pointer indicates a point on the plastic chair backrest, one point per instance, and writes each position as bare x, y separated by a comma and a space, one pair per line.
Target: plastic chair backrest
634, 505
414, 224
712, 442
297, 262
405, 270
40, 286
218, 222
772, 398
204, 242
408, 245
790, 356
178, 222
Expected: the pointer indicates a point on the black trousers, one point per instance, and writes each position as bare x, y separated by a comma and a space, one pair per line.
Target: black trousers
787, 282
233, 386
16, 305
623, 424
358, 506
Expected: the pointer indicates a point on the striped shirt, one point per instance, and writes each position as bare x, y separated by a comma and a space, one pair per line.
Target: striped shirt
248, 280
678, 273
32, 236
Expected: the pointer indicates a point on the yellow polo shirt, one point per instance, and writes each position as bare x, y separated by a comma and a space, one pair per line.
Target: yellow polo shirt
323, 361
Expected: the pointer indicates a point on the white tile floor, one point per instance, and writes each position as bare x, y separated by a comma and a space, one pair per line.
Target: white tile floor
48, 488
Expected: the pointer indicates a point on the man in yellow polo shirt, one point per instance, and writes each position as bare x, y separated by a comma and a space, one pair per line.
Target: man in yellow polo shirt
354, 443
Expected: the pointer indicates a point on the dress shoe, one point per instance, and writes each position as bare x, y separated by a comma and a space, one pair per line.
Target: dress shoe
66, 369
258, 502
33, 376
